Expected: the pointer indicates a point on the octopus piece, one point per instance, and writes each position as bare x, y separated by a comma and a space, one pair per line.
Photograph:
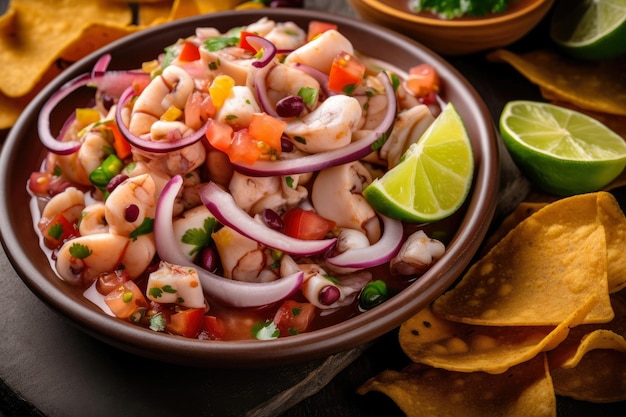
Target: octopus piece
408, 128
418, 253
337, 196
178, 162
330, 294
171, 88
286, 36
197, 219
255, 194
93, 220
242, 258
328, 127
70, 203
232, 61
320, 52
284, 80
238, 107
130, 203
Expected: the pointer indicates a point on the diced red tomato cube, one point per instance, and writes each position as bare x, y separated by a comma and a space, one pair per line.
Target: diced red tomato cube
219, 135
294, 317
126, 300
306, 224
244, 148
346, 73
188, 323
39, 183
57, 231
423, 80
189, 52
268, 130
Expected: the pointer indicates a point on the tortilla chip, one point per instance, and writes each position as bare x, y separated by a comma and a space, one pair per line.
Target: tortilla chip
554, 260
525, 390
41, 30
599, 377
521, 212
427, 339
598, 86
614, 221
94, 37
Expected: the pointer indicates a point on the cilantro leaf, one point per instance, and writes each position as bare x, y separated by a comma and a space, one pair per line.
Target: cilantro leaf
199, 238
144, 228
55, 231
80, 251
220, 42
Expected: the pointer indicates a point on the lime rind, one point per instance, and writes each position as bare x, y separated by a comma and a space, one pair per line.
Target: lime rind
580, 156
590, 30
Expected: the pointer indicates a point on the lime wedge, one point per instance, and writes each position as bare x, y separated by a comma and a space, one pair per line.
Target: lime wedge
433, 177
590, 29
563, 151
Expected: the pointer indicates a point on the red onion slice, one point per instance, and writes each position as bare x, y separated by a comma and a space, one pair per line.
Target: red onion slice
228, 291
43, 122
377, 254
149, 145
112, 82
315, 162
222, 205
261, 44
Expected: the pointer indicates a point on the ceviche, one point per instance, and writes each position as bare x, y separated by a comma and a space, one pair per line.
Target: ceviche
215, 192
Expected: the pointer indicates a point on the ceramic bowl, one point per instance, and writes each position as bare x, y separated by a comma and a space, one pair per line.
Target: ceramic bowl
23, 153
456, 36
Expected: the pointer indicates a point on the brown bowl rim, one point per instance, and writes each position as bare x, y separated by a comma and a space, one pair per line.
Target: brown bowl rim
443, 23
251, 354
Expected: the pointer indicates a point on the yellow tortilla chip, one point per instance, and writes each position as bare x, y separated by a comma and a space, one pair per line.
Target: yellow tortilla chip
94, 37
614, 221
525, 390
427, 339
599, 377
539, 273
42, 29
599, 85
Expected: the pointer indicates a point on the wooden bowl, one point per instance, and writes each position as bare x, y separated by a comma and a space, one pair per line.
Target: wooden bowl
458, 36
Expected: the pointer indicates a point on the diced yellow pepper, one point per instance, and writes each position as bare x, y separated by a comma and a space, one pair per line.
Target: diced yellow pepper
171, 114
220, 89
87, 116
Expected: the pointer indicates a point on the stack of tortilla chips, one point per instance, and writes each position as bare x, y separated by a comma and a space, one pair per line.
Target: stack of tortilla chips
39, 38
542, 313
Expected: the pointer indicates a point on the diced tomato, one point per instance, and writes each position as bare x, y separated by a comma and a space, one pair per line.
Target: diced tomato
243, 41
219, 135
244, 148
112, 280
317, 27
39, 183
126, 300
214, 328
268, 130
423, 80
294, 317
346, 73
306, 224
120, 144
58, 230
188, 323
189, 52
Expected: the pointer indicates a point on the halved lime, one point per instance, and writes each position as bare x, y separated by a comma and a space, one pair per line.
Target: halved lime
433, 177
563, 151
590, 29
